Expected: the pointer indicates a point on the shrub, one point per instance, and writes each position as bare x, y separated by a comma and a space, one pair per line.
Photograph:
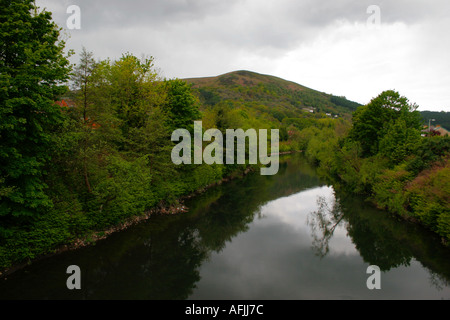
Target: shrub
429, 198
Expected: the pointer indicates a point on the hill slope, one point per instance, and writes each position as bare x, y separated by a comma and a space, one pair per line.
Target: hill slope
281, 97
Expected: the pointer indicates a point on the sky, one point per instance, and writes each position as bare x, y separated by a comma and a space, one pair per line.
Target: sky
351, 48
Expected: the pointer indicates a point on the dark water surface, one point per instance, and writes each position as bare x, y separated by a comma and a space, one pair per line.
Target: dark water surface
288, 236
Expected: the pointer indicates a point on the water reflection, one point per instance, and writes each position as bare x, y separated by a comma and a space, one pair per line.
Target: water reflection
325, 220
288, 236
379, 238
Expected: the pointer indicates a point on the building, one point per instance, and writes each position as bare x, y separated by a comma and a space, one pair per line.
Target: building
442, 131
435, 131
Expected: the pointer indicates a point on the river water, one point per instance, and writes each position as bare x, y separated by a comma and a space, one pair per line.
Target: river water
284, 237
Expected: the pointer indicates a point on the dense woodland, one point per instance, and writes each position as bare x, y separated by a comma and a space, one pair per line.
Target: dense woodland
86, 148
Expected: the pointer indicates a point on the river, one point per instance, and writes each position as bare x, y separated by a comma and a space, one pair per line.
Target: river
284, 237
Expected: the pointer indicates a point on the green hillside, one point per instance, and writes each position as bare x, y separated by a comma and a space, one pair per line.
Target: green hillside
279, 97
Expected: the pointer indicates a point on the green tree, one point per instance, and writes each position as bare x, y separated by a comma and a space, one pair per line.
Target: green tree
372, 121
284, 135
400, 141
83, 86
33, 69
82, 78
181, 104
133, 89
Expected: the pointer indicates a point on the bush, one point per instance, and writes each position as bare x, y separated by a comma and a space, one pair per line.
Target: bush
125, 192
429, 198
388, 190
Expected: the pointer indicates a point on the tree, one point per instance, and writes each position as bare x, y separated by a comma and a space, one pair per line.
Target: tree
82, 81
400, 141
82, 78
372, 121
33, 69
133, 89
182, 106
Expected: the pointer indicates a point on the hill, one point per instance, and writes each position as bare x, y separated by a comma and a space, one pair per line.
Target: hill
279, 97
441, 118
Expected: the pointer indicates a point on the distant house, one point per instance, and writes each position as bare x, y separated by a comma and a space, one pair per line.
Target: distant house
442, 132
435, 131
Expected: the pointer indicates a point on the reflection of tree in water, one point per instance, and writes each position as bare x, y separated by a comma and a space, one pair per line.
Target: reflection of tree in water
325, 221
376, 243
241, 201
160, 264
380, 239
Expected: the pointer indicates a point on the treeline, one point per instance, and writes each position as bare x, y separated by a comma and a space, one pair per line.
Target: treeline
383, 156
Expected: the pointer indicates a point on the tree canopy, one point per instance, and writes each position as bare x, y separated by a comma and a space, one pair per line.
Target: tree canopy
373, 121
33, 68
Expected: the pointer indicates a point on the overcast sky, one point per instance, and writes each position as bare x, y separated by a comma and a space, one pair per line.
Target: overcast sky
334, 46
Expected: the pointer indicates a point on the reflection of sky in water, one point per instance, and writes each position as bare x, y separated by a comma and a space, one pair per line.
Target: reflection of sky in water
274, 259
293, 212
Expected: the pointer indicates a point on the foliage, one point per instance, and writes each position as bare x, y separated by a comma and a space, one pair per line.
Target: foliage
429, 197
32, 69
388, 189
400, 141
385, 158
181, 104
342, 101
280, 98
373, 121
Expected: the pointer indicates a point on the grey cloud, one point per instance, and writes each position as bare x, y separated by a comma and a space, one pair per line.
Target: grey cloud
244, 24
155, 13
116, 14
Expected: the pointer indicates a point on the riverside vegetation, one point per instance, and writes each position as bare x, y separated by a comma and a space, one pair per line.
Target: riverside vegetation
87, 148
385, 158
